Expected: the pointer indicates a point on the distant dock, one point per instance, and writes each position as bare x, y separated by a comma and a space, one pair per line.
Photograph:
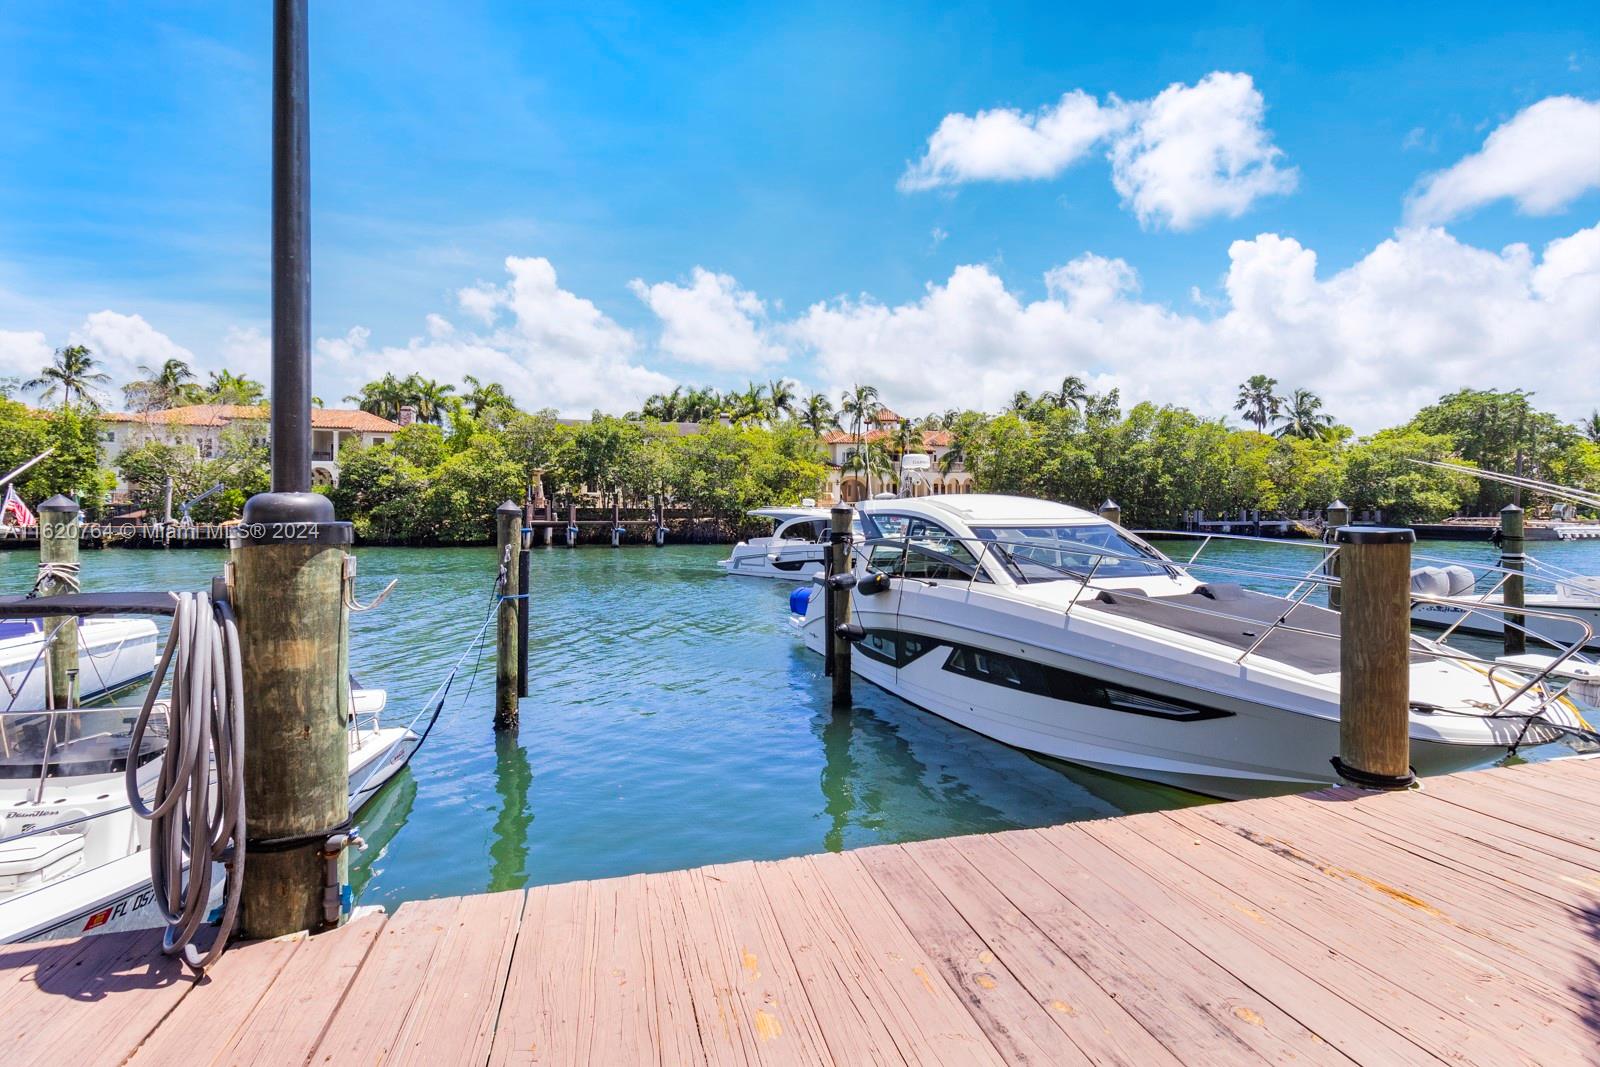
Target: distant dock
1458, 923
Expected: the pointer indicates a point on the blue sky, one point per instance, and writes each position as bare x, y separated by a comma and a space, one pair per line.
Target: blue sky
766, 146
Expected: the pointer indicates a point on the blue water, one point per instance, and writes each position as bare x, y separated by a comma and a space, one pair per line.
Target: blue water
675, 720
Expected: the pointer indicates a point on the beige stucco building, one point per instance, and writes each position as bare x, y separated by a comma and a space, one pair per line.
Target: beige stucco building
202, 426
852, 485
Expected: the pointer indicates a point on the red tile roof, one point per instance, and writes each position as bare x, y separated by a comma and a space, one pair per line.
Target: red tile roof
930, 438
222, 414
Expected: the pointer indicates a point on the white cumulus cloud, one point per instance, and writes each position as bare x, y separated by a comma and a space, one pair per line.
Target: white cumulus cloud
1419, 316
1190, 153
1542, 159
1198, 151
124, 343
547, 346
23, 353
710, 322
1005, 144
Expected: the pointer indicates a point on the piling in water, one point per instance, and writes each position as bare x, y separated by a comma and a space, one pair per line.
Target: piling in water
1512, 592
508, 558
1111, 511
1338, 516
838, 593
1375, 657
58, 573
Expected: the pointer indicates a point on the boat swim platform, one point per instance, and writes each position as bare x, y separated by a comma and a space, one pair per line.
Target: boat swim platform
1459, 923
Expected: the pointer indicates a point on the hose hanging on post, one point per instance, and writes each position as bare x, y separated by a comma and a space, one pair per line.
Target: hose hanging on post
196, 822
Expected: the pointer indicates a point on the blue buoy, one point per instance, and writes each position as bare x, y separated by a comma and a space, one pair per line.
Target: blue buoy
799, 600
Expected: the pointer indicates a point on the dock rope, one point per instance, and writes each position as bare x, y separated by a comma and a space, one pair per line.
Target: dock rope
190, 828
66, 574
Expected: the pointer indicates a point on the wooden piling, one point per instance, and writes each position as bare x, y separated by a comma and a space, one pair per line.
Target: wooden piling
1338, 516
1375, 657
839, 520
1111, 511
572, 525
58, 548
292, 627
1512, 592
508, 558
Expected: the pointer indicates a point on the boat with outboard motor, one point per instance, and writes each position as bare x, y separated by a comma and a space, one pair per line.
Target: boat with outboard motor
74, 855
1051, 629
794, 550
113, 654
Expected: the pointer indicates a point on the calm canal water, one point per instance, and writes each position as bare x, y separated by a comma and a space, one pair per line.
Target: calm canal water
675, 721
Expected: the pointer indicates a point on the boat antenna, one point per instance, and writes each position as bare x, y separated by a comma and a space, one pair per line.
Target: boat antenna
22, 469
1564, 492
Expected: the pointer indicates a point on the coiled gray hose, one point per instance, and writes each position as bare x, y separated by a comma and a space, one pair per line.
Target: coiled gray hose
196, 821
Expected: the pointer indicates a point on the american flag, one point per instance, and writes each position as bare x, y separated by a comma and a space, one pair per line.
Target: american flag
14, 512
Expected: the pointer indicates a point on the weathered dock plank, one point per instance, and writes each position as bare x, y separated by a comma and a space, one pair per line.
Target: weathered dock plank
1458, 924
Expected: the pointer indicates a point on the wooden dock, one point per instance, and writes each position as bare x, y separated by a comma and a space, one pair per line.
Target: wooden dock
1460, 924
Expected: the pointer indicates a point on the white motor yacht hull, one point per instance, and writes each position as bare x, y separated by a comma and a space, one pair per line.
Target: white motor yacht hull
794, 561
1558, 631
113, 653
117, 894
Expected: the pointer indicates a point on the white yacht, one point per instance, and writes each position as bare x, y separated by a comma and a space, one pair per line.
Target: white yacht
1575, 598
1050, 629
73, 856
794, 551
113, 653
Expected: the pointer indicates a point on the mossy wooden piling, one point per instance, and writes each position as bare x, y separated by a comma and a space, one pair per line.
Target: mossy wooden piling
1375, 656
1513, 559
1338, 516
838, 593
508, 558
58, 558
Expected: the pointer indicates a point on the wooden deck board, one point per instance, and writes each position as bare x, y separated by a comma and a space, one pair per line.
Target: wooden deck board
1459, 924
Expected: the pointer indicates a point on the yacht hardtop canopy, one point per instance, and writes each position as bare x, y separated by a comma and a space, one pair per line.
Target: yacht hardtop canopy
785, 514
80, 604
984, 509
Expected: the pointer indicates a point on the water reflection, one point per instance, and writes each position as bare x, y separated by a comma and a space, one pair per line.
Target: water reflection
508, 847
380, 820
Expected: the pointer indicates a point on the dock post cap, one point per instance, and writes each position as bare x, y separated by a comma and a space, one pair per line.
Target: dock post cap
1338, 505
1508, 508
59, 502
1374, 535
509, 506
1107, 503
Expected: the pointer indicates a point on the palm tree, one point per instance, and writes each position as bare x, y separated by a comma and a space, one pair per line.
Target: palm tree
481, 397
817, 414
1072, 394
860, 404
781, 398
163, 388
1591, 426
383, 397
1302, 416
1258, 402
72, 372
226, 387
1021, 401
748, 404
430, 398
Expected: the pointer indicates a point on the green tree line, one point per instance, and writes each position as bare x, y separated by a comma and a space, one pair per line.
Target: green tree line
438, 481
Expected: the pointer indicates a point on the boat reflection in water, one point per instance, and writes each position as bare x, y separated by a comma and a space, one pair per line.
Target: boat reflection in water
379, 822
893, 773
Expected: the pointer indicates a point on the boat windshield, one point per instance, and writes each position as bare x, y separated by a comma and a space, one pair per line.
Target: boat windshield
76, 742
1051, 553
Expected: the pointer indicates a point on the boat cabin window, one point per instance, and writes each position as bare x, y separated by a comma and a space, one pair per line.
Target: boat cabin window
902, 559
813, 530
882, 525
1051, 553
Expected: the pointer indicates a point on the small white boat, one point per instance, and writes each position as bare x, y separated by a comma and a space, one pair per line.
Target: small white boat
113, 653
91, 873
1053, 630
1576, 598
794, 551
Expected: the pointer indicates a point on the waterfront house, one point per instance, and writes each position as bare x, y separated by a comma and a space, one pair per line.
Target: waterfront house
847, 482
202, 425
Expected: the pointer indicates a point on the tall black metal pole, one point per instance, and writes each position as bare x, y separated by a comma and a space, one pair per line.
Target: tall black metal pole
291, 250
289, 570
